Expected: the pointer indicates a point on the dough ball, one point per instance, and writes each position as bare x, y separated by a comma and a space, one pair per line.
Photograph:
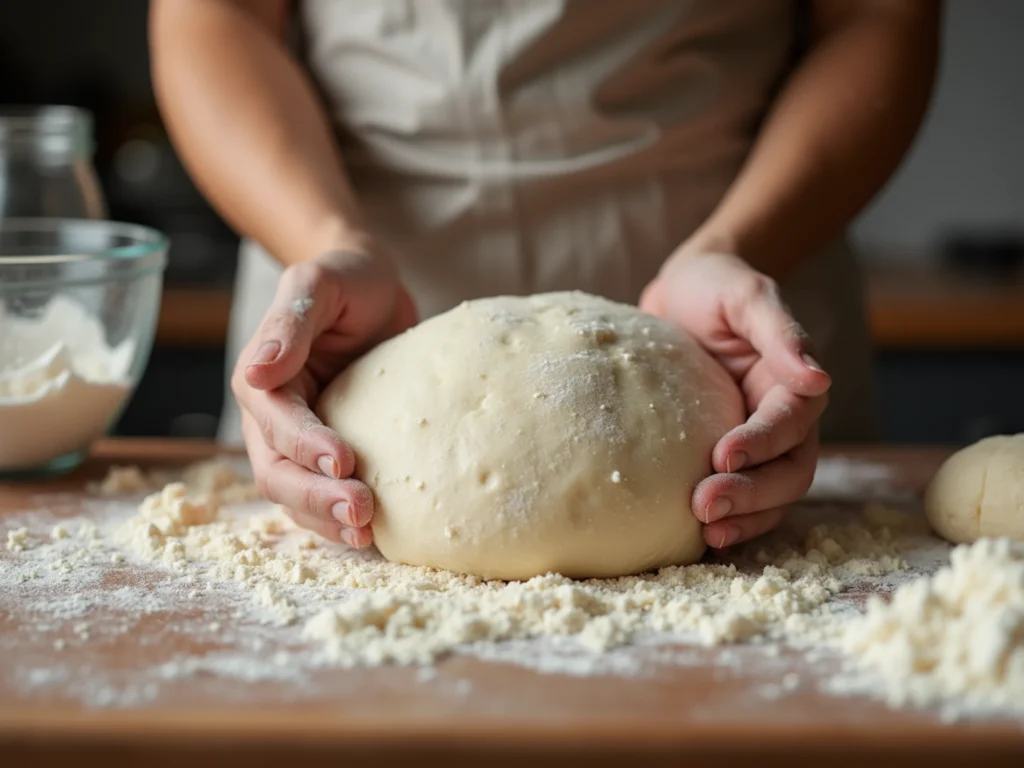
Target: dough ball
516, 436
979, 492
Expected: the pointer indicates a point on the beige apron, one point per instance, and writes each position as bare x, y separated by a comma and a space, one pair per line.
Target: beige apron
518, 146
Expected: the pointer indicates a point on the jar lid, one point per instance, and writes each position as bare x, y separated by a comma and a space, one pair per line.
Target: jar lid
48, 130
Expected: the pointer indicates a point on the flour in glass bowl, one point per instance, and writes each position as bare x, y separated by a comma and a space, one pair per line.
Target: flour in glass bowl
61, 384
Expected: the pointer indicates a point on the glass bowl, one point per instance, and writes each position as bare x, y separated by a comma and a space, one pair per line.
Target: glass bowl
79, 301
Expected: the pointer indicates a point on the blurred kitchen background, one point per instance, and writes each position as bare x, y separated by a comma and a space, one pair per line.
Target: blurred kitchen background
943, 244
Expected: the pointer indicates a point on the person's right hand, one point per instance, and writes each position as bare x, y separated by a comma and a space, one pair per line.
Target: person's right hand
325, 313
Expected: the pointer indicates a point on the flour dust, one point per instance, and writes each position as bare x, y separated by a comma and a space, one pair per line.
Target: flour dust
203, 567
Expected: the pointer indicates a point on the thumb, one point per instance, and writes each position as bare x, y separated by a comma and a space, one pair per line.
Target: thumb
281, 346
781, 342
652, 300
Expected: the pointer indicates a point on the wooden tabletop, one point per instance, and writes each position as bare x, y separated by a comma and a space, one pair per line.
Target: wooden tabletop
501, 715
911, 307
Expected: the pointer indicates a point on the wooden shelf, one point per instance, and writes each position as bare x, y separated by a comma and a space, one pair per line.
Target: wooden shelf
931, 308
194, 317
909, 308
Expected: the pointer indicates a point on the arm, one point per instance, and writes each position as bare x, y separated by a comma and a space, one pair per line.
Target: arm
247, 123
836, 132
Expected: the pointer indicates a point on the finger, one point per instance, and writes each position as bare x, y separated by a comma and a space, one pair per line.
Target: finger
288, 426
347, 502
358, 287
263, 460
757, 314
781, 422
652, 300
329, 529
405, 314
775, 484
357, 538
281, 345
756, 381
730, 531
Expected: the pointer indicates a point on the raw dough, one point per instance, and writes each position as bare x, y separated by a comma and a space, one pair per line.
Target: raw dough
516, 436
979, 491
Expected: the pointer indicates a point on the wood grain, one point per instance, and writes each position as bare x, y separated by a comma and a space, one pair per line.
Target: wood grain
505, 715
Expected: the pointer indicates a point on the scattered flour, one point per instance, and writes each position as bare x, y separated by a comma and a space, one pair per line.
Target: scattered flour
18, 540
220, 480
407, 615
123, 480
275, 603
61, 384
839, 477
954, 639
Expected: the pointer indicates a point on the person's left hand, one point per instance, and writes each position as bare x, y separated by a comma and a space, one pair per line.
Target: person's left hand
768, 462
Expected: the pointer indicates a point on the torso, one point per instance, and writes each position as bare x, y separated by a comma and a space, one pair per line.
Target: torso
521, 146
518, 147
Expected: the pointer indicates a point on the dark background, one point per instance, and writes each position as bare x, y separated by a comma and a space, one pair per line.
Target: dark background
963, 180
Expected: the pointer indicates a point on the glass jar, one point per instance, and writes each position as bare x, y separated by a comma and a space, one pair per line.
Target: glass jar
46, 164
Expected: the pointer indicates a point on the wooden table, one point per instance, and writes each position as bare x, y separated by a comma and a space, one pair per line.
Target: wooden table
690, 715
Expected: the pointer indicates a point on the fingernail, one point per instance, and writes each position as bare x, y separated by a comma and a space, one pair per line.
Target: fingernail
342, 512
351, 537
267, 353
361, 517
717, 509
729, 535
811, 363
736, 461
328, 466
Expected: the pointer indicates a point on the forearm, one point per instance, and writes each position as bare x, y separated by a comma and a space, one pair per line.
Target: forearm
248, 125
837, 131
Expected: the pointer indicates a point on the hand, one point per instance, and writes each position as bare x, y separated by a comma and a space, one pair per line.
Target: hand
325, 312
765, 464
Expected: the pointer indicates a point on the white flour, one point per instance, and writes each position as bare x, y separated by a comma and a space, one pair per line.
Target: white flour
259, 600
839, 477
60, 383
955, 639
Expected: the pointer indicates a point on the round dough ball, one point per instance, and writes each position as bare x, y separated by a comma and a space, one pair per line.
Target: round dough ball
979, 492
516, 436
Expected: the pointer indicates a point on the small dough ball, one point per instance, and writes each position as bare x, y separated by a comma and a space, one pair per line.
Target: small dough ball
516, 436
979, 492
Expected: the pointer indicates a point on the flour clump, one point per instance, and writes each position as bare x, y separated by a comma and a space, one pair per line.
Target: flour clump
955, 639
517, 436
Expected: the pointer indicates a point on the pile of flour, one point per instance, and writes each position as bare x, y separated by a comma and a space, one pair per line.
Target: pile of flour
61, 384
953, 640
801, 586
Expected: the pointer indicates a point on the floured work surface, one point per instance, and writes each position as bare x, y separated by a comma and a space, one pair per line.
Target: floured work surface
109, 615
